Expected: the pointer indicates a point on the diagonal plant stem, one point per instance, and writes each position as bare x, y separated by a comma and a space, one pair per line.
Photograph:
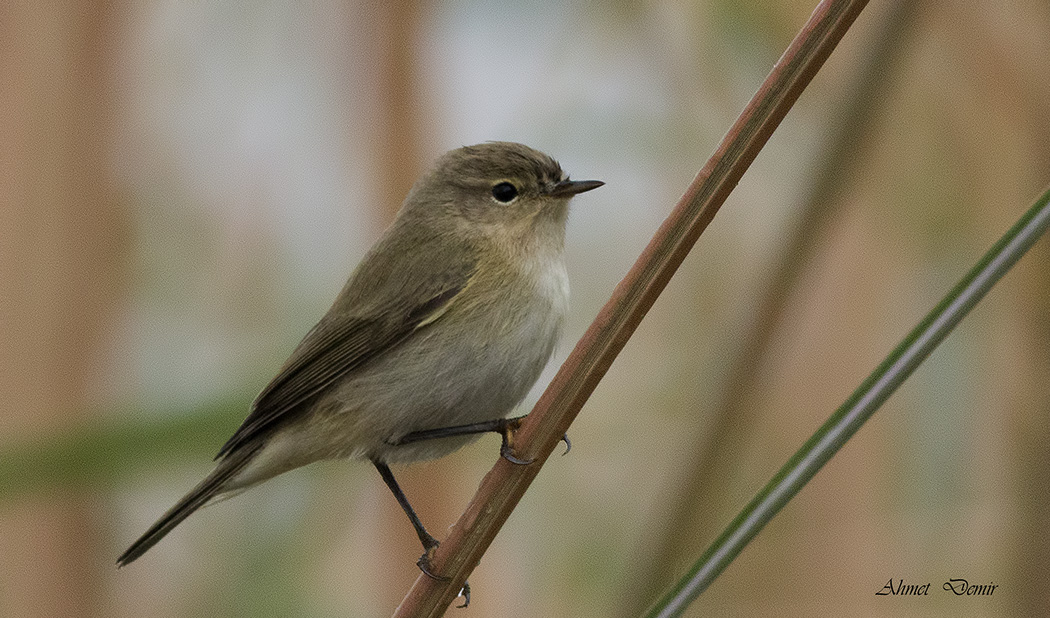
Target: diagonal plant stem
857, 409
503, 486
707, 471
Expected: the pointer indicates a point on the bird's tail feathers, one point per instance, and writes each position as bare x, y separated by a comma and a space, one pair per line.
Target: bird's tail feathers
209, 488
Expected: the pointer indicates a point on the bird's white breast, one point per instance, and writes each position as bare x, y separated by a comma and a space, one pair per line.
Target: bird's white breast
548, 272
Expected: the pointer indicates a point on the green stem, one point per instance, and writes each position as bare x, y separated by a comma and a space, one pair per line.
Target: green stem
857, 409
729, 419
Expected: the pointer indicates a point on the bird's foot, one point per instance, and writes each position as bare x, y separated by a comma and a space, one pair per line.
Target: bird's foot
465, 593
426, 565
507, 429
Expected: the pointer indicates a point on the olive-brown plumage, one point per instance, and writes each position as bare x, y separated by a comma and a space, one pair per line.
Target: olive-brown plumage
447, 321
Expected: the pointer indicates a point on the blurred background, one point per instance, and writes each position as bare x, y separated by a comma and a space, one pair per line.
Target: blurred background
184, 188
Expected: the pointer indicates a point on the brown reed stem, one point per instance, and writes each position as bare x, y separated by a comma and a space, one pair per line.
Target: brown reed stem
503, 486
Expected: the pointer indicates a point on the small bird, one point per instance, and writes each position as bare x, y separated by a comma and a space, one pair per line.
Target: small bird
440, 332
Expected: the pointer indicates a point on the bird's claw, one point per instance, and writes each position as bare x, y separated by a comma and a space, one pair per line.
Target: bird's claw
506, 450
507, 454
427, 567
465, 593
424, 563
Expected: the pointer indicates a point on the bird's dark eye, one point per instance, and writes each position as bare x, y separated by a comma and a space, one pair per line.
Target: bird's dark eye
504, 192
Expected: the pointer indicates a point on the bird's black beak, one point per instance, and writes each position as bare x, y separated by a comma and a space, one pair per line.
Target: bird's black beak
569, 188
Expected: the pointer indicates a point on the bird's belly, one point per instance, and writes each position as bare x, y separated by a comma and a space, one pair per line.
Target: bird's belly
439, 378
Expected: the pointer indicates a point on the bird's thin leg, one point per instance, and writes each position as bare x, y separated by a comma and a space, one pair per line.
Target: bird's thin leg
503, 426
425, 538
499, 425
428, 541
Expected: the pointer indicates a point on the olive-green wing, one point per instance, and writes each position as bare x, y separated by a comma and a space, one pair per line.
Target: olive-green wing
339, 344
